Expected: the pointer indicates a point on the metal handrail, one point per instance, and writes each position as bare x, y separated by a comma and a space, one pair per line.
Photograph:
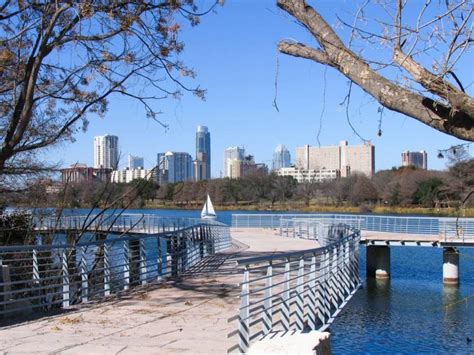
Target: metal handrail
317, 282
450, 226
39, 277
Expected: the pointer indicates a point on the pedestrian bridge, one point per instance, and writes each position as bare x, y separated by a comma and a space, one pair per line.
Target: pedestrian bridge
174, 286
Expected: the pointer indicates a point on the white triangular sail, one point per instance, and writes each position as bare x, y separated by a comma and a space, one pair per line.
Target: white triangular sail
208, 209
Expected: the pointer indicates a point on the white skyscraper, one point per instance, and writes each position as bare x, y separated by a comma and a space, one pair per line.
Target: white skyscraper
230, 154
106, 152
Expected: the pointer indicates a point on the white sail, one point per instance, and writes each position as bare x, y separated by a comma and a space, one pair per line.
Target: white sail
208, 209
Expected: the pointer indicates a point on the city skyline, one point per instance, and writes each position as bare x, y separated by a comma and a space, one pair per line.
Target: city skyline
125, 163
258, 126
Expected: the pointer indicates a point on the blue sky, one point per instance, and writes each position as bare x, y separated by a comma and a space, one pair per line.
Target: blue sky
234, 54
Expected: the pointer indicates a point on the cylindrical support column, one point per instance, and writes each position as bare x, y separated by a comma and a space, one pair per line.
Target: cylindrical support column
450, 266
378, 262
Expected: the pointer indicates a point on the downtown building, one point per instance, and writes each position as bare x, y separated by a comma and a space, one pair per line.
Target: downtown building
309, 175
78, 173
106, 153
281, 158
135, 162
202, 164
417, 159
232, 156
344, 158
128, 175
174, 167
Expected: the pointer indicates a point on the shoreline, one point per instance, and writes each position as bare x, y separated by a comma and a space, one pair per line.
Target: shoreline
379, 210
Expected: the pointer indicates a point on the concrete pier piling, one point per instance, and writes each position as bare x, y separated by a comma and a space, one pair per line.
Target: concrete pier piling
378, 262
450, 267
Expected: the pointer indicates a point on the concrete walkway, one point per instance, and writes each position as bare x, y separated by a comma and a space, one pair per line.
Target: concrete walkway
182, 316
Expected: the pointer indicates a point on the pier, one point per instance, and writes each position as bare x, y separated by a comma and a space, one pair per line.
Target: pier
378, 234
144, 284
140, 283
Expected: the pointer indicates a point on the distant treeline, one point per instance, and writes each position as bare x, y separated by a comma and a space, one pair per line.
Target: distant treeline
401, 187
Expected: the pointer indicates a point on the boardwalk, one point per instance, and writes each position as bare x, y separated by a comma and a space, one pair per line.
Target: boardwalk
184, 316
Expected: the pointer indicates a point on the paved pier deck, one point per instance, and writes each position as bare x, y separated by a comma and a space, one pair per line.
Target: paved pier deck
182, 316
411, 239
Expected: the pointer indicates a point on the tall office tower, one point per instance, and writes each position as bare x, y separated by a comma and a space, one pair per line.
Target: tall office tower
345, 158
174, 167
417, 159
202, 164
230, 154
106, 154
281, 157
135, 162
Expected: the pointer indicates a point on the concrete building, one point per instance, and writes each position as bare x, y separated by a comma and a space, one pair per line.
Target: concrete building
238, 168
77, 173
174, 167
417, 159
128, 175
135, 162
230, 154
345, 158
202, 164
281, 158
302, 175
106, 154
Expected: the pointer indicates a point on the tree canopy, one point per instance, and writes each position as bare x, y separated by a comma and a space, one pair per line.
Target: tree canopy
60, 61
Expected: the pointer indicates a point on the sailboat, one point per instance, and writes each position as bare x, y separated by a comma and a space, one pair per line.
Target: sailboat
208, 210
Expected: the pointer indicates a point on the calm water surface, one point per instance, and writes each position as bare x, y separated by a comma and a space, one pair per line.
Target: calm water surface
411, 313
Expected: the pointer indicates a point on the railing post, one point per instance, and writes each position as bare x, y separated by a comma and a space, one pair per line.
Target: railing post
143, 264
313, 307
326, 286
159, 260
65, 279
268, 303
244, 321
84, 276
126, 265
36, 276
285, 305
106, 270
300, 296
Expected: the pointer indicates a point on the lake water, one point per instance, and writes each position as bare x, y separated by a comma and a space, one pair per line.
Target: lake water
411, 313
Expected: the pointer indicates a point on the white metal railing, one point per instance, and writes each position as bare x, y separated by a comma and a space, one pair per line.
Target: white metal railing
456, 230
130, 222
316, 229
92, 263
450, 227
297, 290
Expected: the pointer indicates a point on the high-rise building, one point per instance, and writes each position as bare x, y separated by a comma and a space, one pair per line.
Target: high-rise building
106, 152
231, 154
202, 164
281, 157
417, 159
174, 167
135, 162
345, 158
